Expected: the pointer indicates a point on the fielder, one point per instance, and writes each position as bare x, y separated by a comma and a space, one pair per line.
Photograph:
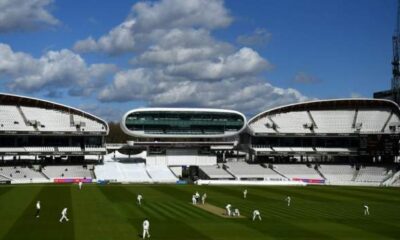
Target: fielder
366, 210
256, 214
194, 201
197, 195
64, 215
37, 209
139, 199
80, 185
236, 213
245, 193
146, 227
228, 209
203, 198
288, 199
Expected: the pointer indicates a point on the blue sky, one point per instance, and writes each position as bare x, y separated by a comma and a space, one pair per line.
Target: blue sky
110, 56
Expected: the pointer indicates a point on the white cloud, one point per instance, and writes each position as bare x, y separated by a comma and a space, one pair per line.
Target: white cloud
178, 46
178, 62
51, 72
118, 40
244, 62
128, 85
250, 94
167, 14
16, 15
149, 21
13, 63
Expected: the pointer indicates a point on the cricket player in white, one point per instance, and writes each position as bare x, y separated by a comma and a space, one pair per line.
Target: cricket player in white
80, 185
245, 193
194, 199
203, 198
146, 227
288, 199
228, 209
236, 213
197, 195
366, 210
64, 215
256, 214
139, 199
37, 209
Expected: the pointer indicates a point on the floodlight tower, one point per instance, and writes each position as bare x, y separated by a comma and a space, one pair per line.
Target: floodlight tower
394, 92
396, 50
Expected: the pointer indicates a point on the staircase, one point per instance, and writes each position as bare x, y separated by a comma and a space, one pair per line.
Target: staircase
355, 175
24, 117
280, 174
320, 173
226, 168
390, 180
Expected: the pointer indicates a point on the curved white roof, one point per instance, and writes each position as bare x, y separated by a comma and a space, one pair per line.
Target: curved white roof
325, 101
31, 102
336, 116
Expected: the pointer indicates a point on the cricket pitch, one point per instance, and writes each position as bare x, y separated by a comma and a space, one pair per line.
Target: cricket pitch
216, 210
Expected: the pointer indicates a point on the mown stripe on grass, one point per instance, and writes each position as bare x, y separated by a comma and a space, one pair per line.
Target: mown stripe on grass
173, 211
95, 217
4, 189
190, 211
13, 203
123, 201
367, 194
289, 231
53, 200
185, 204
380, 228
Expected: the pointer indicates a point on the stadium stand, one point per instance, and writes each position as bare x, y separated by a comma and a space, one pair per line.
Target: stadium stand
242, 171
333, 121
215, 172
176, 170
19, 174
95, 149
49, 120
40, 149
11, 119
335, 149
371, 119
69, 149
337, 174
123, 172
40, 129
292, 121
396, 183
67, 171
297, 171
373, 174
2, 178
392, 124
89, 124
175, 157
264, 125
11, 150
161, 174
304, 141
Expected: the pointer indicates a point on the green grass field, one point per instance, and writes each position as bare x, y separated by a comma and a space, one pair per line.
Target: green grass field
110, 212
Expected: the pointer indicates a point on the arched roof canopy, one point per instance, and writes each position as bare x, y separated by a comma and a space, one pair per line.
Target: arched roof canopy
11, 99
331, 104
